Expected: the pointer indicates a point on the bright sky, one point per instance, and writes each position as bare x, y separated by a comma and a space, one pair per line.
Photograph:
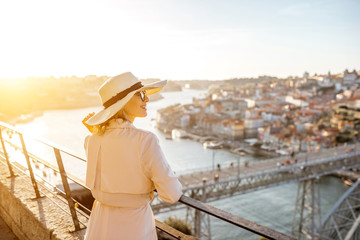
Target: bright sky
178, 39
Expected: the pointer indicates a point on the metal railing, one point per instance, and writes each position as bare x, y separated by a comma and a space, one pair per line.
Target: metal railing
74, 205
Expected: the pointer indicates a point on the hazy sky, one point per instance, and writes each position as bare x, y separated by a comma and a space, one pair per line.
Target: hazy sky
178, 39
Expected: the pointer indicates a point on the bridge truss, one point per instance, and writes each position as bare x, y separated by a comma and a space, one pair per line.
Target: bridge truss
307, 217
343, 220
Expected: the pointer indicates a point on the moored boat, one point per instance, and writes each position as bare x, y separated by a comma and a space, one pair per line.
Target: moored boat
213, 144
348, 182
178, 133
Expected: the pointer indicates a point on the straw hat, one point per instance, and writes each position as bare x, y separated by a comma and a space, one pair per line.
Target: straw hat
117, 91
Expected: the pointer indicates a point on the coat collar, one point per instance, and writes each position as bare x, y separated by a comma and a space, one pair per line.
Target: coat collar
120, 123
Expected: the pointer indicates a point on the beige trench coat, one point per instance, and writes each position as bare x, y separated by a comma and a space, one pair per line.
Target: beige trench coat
124, 166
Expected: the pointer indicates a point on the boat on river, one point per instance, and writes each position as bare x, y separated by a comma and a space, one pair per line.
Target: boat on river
348, 182
241, 151
178, 133
213, 144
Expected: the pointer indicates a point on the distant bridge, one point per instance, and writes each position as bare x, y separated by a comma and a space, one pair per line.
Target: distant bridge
213, 184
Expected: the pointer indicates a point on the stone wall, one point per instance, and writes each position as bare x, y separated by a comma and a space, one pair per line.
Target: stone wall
34, 219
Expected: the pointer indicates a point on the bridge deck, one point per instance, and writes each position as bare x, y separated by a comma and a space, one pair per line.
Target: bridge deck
224, 173
195, 179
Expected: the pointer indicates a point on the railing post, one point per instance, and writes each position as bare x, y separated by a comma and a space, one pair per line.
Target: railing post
34, 183
6, 155
198, 215
67, 189
197, 222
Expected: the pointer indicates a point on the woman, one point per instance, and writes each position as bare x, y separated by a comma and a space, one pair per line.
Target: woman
125, 164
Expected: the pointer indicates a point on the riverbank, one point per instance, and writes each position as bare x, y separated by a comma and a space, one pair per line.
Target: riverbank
16, 116
349, 177
238, 147
24, 115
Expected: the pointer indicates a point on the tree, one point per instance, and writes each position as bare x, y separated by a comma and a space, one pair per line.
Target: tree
179, 224
257, 144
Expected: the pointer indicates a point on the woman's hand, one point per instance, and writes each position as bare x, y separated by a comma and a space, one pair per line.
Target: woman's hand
90, 128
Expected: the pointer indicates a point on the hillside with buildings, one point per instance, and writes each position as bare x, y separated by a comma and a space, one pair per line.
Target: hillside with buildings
292, 115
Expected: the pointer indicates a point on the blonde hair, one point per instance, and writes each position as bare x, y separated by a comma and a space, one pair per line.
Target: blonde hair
102, 127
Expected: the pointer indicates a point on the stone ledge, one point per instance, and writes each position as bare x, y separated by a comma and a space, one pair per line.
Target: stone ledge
34, 219
6, 232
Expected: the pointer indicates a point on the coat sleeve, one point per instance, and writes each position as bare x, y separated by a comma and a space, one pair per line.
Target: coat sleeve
166, 183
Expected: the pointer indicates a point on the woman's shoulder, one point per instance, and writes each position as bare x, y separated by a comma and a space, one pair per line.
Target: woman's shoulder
90, 138
145, 133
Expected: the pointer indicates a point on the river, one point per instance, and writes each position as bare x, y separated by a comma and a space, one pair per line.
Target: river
272, 207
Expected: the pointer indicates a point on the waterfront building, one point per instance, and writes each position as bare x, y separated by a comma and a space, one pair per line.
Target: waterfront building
251, 126
233, 128
178, 116
226, 128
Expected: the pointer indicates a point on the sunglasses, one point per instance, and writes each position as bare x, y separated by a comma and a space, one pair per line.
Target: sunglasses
142, 95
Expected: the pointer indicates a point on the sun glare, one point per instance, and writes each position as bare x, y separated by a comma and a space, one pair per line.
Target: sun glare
160, 41
11, 82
